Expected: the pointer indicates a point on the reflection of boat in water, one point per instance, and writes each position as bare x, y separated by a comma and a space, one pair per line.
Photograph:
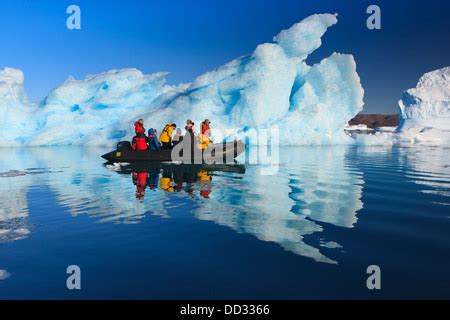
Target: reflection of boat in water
171, 177
214, 153
180, 168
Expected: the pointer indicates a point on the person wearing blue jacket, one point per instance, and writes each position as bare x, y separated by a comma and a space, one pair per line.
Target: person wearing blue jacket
153, 141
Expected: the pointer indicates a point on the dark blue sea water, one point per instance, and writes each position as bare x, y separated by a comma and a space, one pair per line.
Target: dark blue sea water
309, 231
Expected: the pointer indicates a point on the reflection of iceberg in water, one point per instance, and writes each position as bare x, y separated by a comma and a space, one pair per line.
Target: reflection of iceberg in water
4, 274
326, 189
84, 188
13, 207
429, 167
314, 185
77, 182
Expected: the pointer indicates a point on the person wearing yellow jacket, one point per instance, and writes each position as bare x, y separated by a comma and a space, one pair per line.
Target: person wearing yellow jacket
166, 136
203, 141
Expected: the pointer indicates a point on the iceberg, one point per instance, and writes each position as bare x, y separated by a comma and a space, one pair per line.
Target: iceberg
424, 114
427, 105
272, 87
425, 110
85, 112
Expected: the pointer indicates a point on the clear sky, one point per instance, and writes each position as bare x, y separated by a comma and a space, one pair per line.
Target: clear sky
188, 38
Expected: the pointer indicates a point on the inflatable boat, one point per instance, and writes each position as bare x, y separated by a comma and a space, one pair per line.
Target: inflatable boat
219, 153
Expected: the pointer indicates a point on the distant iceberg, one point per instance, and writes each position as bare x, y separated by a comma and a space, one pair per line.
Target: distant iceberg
424, 114
425, 110
272, 87
427, 105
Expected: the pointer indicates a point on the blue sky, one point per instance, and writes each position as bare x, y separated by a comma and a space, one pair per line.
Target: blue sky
188, 38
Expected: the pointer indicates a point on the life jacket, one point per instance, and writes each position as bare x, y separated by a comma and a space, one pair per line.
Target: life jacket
203, 141
138, 128
166, 134
139, 143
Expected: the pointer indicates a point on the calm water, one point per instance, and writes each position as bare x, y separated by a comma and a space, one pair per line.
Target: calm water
310, 231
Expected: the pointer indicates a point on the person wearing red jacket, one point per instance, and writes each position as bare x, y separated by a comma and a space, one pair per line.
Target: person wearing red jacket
139, 127
140, 142
206, 129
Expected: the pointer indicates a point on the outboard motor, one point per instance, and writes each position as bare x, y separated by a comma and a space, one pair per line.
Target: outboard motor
123, 145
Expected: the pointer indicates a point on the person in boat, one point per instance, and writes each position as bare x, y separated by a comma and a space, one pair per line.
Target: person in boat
153, 142
178, 137
203, 141
166, 136
190, 127
204, 138
190, 133
205, 127
139, 127
140, 142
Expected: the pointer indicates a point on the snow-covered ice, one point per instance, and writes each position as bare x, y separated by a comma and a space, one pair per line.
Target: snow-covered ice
427, 105
386, 129
424, 114
357, 127
271, 87
425, 110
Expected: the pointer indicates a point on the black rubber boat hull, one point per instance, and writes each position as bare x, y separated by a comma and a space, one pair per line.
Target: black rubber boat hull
226, 151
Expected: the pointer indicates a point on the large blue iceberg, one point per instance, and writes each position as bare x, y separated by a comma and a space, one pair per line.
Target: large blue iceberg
271, 88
